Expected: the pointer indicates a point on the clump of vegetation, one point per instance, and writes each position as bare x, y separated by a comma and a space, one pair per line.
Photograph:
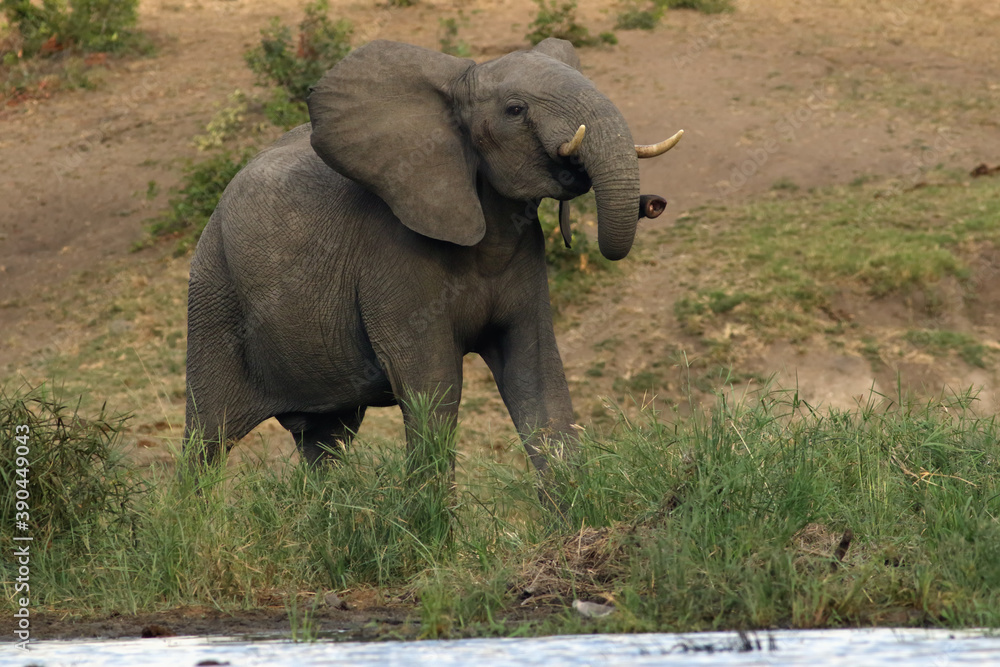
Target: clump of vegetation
645, 15
294, 66
762, 513
69, 471
785, 184
707, 301
703, 6
941, 342
637, 15
283, 112
224, 124
557, 18
59, 43
55, 25
788, 257
193, 203
449, 41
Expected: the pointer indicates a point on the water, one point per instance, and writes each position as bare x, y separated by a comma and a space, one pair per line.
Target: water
815, 648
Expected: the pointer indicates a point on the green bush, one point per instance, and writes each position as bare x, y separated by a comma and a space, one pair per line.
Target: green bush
321, 44
449, 41
558, 20
284, 112
77, 481
640, 15
636, 17
87, 25
225, 124
193, 204
703, 6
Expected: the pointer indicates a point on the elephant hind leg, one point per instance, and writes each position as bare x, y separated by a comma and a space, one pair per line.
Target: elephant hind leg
207, 435
322, 435
223, 402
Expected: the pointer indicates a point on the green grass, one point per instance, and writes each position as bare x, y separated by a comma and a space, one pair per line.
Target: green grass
941, 342
76, 480
126, 325
724, 519
779, 263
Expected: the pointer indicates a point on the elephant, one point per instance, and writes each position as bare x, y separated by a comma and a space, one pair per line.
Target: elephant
358, 259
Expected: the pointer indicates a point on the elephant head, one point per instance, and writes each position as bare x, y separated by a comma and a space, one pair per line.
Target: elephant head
418, 127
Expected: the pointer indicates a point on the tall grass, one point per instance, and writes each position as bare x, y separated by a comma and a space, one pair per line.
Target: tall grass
727, 519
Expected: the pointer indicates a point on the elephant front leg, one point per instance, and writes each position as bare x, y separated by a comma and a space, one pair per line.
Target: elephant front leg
427, 384
529, 374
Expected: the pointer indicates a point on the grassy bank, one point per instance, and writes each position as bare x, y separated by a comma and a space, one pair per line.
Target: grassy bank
762, 513
788, 265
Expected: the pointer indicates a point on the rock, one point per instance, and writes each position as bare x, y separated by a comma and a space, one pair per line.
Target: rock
592, 609
154, 630
333, 601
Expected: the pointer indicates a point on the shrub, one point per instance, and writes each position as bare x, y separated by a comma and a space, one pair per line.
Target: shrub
285, 113
449, 41
558, 20
632, 17
321, 45
224, 124
703, 6
193, 204
88, 25
76, 480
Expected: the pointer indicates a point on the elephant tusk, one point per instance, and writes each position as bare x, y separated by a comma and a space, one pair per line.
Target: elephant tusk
658, 149
571, 146
564, 226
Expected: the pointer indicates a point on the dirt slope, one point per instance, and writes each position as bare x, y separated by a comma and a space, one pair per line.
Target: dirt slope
811, 94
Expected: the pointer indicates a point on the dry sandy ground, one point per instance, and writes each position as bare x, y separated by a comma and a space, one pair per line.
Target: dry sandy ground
882, 88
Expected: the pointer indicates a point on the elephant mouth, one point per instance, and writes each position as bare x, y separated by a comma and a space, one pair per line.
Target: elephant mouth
572, 178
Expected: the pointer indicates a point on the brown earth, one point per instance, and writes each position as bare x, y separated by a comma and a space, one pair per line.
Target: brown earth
869, 88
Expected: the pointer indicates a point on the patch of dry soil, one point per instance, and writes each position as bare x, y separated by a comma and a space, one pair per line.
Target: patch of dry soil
814, 94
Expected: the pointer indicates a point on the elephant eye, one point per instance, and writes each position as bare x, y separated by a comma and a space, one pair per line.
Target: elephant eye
514, 109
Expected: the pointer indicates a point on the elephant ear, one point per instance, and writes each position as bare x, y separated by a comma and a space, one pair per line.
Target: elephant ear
561, 50
383, 117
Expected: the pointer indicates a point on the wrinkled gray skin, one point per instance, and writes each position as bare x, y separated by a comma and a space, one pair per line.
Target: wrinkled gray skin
355, 262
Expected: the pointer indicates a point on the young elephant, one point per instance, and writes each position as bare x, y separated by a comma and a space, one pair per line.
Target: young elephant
357, 260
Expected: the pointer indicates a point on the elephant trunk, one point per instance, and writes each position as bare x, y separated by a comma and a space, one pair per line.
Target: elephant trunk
609, 156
